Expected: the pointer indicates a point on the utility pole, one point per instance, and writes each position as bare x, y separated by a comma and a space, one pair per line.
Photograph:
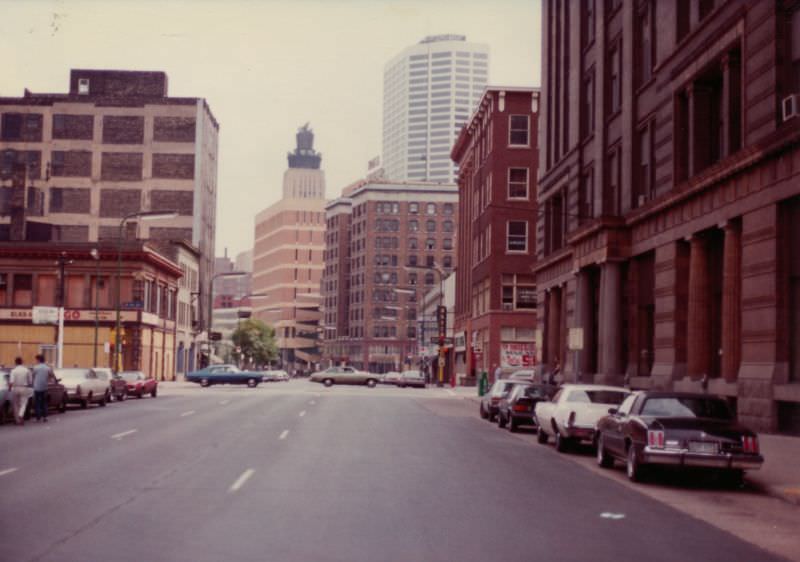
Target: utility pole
62, 263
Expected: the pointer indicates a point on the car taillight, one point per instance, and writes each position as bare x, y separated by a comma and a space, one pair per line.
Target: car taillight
750, 444
571, 419
655, 439
521, 407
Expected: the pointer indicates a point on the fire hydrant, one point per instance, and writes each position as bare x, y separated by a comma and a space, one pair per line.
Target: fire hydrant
483, 383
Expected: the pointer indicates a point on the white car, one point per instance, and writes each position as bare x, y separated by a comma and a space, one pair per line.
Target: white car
574, 411
344, 375
272, 376
83, 386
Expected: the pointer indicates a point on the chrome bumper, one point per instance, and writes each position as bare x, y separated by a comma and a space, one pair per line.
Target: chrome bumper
683, 457
584, 433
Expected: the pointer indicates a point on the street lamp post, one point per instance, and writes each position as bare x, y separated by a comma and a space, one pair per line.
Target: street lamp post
62, 263
143, 215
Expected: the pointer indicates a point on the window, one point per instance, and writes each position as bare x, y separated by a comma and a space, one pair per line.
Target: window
412, 260
447, 262
21, 127
587, 114
518, 292
615, 77
431, 208
429, 279
517, 236
447, 226
429, 261
645, 51
447, 209
643, 187
447, 243
794, 48
413, 225
430, 226
518, 183
412, 244
430, 244
611, 191
586, 196
518, 130
78, 127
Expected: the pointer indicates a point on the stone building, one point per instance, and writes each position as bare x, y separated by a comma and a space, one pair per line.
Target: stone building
114, 145
287, 258
388, 243
495, 308
669, 250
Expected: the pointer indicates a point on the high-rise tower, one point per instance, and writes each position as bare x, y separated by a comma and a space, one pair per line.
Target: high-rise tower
429, 91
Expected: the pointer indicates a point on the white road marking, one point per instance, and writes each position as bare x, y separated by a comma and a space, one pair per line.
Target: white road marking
450, 392
284, 434
609, 515
224, 402
189, 413
123, 434
303, 413
241, 480
8, 471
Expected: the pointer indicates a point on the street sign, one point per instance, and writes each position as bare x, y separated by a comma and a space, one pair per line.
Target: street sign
441, 320
214, 336
132, 305
575, 339
45, 315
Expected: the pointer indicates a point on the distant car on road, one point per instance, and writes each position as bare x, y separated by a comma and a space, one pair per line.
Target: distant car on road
344, 375
500, 389
225, 374
138, 384
572, 414
118, 388
275, 376
524, 374
392, 377
411, 378
516, 409
83, 386
676, 429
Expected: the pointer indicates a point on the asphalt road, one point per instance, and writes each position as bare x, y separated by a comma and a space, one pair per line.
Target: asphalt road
297, 472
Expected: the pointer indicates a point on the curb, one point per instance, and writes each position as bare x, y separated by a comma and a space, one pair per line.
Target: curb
789, 494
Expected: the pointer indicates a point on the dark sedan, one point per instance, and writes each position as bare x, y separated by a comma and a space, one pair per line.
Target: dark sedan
499, 390
225, 374
676, 429
517, 408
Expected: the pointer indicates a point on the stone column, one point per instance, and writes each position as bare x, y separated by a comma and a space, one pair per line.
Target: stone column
731, 302
610, 324
697, 351
584, 314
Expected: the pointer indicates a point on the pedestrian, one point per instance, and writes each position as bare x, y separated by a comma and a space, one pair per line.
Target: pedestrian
555, 372
41, 375
498, 373
20, 389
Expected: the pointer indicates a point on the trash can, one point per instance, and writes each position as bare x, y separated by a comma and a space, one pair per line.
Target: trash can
483, 383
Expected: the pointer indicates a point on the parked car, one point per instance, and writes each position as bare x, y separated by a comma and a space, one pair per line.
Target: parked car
6, 412
392, 377
275, 376
56, 398
225, 374
411, 378
500, 389
516, 409
344, 375
676, 429
524, 374
83, 386
573, 412
138, 384
117, 386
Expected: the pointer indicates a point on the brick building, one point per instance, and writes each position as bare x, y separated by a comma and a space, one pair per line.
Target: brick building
29, 277
670, 194
387, 242
114, 145
495, 307
287, 258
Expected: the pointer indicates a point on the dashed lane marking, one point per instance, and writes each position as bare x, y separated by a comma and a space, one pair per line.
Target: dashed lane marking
241, 480
224, 402
303, 413
189, 413
8, 471
119, 436
284, 434
610, 515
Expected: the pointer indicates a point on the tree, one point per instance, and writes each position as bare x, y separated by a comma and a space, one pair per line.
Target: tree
255, 342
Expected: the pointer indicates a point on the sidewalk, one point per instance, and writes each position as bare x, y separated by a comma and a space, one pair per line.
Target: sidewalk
779, 476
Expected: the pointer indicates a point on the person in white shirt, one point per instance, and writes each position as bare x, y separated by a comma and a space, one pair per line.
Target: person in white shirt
21, 389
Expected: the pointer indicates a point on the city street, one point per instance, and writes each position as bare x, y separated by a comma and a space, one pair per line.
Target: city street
296, 471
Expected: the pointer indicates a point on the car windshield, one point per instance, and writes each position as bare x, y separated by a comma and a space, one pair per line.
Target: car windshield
71, 373
411, 374
534, 392
131, 376
597, 396
687, 407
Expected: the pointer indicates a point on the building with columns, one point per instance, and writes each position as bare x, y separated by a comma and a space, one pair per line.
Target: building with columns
669, 251
495, 308
287, 258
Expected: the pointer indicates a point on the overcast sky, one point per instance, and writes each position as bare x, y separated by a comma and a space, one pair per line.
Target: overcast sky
265, 67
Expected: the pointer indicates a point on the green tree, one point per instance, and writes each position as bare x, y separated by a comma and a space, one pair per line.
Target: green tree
255, 343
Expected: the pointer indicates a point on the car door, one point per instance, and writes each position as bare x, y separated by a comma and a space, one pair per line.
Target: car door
544, 411
614, 431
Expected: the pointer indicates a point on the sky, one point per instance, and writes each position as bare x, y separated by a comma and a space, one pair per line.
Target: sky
266, 67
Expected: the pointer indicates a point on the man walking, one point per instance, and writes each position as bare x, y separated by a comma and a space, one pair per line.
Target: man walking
20, 389
41, 374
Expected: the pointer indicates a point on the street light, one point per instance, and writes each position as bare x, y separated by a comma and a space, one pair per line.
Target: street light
95, 253
142, 215
442, 324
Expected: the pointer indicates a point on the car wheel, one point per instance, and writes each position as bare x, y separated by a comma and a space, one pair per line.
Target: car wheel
483, 413
123, 396
371, 383
491, 417
603, 458
512, 425
103, 400
401, 385
251, 383
633, 467
541, 436
154, 393
328, 382
63, 406
85, 401
139, 392
501, 421
204, 382
562, 443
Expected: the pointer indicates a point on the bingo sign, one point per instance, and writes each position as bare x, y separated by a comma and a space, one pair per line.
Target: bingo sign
517, 355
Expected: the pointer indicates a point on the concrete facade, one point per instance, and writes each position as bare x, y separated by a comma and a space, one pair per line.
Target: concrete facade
496, 306
670, 195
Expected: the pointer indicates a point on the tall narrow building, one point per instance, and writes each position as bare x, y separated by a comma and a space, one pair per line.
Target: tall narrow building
287, 257
429, 91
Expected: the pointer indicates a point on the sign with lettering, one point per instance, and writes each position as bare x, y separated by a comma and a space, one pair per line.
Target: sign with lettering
517, 355
44, 315
70, 315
